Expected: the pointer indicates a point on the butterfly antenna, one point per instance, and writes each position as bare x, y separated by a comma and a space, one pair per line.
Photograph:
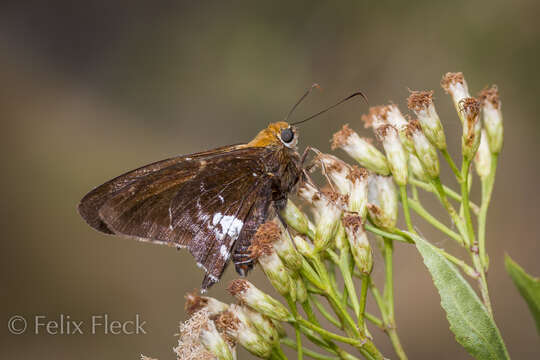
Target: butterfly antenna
308, 91
353, 95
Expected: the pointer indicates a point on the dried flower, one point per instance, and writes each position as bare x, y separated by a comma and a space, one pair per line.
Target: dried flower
397, 120
395, 153
482, 159
358, 196
262, 249
361, 150
421, 102
424, 150
194, 303
246, 292
359, 245
470, 109
383, 206
456, 86
493, 123
337, 170
236, 324
189, 347
376, 117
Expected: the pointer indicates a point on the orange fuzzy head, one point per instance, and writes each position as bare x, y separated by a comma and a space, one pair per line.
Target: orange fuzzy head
278, 133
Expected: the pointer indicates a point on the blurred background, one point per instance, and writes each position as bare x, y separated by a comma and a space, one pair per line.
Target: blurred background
91, 89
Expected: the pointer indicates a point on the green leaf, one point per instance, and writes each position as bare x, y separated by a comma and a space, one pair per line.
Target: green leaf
528, 286
469, 320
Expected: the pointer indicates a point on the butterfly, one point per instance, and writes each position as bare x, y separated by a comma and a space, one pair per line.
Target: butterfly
211, 202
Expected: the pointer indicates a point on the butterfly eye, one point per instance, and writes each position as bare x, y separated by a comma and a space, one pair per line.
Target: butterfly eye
287, 135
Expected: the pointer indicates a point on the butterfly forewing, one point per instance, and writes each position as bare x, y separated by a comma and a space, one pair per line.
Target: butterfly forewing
205, 202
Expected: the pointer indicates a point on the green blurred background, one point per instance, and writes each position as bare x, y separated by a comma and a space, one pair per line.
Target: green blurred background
91, 89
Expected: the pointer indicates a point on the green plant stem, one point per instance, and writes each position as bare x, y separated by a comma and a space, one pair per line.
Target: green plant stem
325, 313
419, 209
278, 352
465, 203
292, 344
482, 281
389, 322
398, 237
345, 268
333, 298
450, 209
375, 320
363, 301
311, 317
451, 193
366, 347
294, 310
405, 204
487, 190
450, 162
389, 284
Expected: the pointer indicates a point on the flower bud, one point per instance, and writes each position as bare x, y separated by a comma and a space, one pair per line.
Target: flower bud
265, 327
194, 303
358, 196
396, 155
470, 108
455, 85
482, 159
337, 170
214, 342
301, 290
360, 248
303, 247
286, 250
245, 291
236, 324
424, 150
361, 150
383, 210
397, 120
421, 102
262, 249
417, 168
491, 106
295, 218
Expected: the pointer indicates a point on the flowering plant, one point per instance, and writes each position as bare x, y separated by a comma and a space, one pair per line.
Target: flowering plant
325, 253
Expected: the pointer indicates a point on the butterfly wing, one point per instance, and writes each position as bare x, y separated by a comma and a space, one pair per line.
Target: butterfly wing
204, 202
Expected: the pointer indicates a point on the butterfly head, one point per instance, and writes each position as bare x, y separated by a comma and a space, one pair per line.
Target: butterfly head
276, 134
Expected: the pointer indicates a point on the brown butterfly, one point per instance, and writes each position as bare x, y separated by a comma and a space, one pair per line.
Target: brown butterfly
210, 202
